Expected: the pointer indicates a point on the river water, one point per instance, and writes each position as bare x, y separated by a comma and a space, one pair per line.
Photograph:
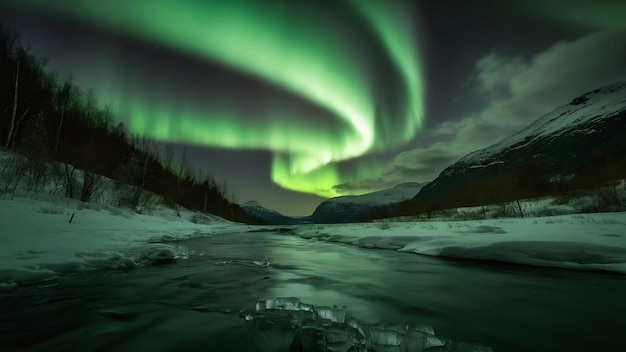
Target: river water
196, 304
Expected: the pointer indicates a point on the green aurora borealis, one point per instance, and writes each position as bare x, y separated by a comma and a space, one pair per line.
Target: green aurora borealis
329, 59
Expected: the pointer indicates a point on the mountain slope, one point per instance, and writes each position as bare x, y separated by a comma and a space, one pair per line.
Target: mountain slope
356, 208
270, 217
579, 141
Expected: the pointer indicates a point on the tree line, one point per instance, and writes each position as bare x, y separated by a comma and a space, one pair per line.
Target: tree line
600, 178
47, 118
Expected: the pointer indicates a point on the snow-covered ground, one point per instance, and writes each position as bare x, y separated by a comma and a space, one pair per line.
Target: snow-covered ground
37, 241
579, 241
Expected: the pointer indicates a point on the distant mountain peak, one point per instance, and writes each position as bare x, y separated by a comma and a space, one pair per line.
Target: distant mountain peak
253, 203
269, 216
356, 208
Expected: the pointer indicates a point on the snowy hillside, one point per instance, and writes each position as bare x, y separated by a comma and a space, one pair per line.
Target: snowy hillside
269, 216
39, 241
578, 117
584, 136
578, 242
354, 208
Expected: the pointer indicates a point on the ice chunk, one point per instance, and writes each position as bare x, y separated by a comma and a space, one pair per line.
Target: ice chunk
404, 337
328, 329
120, 261
355, 325
307, 307
422, 328
383, 336
265, 262
334, 314
339, 337
283, 303
159, 255
433, 341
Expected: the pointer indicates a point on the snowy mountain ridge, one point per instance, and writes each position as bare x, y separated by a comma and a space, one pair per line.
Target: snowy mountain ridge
269, 216
253, 205
574, 139
577, 117
341, 209
396, 194
356, 208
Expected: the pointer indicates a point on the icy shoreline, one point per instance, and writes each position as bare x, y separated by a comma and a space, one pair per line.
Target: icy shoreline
37, 241
578, 242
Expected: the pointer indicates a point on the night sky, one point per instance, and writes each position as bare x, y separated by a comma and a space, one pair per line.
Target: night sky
295, 101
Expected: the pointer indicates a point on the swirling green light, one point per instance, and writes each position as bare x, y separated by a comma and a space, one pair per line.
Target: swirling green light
288, 44
396, 31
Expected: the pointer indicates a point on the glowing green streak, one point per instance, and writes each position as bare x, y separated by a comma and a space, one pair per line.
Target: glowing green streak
394, 28
248, 36
222, 129
318, 181
299, 55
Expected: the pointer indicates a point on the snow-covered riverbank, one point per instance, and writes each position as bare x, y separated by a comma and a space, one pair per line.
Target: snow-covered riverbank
38, 241
578, 241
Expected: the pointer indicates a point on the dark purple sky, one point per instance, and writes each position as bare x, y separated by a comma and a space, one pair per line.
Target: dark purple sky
487, 68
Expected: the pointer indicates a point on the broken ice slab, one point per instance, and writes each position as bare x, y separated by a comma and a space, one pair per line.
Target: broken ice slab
283, 303
408, 337
339, 337
329, 329
384, 337
334, 314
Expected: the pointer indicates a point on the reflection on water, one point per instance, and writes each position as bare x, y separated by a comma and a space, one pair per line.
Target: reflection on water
195, 304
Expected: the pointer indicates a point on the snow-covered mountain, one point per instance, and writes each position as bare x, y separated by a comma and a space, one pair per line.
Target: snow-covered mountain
587, 134
269, 216
355, 208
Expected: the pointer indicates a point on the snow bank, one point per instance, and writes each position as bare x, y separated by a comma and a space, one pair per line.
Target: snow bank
37, 242
582, 242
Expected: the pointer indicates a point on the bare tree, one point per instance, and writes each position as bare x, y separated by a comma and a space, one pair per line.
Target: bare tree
167, 153
33, 68
37, 173
104, 117
183, 175
209, 186
519, 208
139, 168
62, 104
91, 106
11, 173
19, 57
92, 184
57, 176
70, 180
222, 199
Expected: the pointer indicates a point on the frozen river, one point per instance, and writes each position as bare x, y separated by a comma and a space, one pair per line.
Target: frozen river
207, 302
